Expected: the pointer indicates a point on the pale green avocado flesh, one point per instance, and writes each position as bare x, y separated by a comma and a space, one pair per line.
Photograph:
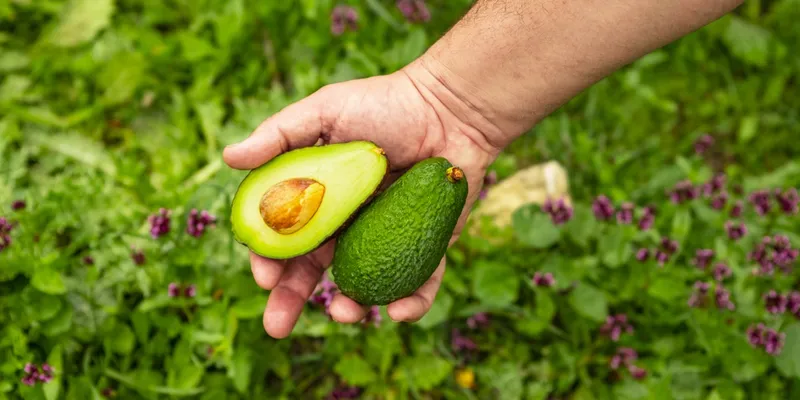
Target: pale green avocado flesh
351, 172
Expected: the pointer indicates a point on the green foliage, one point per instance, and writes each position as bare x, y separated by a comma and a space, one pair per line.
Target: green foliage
110, 110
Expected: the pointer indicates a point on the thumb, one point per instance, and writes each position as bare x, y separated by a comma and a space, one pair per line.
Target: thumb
298, 125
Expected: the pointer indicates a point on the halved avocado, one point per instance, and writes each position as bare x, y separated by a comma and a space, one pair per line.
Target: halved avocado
296, 201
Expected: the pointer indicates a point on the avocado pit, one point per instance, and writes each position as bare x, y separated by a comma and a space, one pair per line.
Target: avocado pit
288, 205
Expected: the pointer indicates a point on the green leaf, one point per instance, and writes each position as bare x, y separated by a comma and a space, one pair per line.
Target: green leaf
251, 307
355, 371
56, 360
589, 302
533, 323
534, 228
241, 369
538, 391
47, 280
615, 247
788, 361
382, 345
78, 147
666, 289
748, 42
42, 306
681, 224
505, 378
81, 21
61, 323
424, 371
495, 283
121, 340
583, 225
748, 128
438, 313
122, 76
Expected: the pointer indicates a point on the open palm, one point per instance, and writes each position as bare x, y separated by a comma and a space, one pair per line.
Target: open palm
398, 113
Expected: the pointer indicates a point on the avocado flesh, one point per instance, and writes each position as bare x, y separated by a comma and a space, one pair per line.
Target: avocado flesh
396, 242
350, 173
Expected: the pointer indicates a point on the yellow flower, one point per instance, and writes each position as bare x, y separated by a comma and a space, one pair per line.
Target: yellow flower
465, 378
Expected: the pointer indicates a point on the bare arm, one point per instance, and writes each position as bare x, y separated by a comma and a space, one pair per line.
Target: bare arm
515, 61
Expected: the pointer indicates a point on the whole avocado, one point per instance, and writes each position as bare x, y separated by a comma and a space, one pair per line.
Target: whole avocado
395, 244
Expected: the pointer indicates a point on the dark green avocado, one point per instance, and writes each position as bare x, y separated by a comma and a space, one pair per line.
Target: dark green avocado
396, 242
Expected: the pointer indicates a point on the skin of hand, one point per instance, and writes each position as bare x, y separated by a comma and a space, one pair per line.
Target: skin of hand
399, 113
502, 68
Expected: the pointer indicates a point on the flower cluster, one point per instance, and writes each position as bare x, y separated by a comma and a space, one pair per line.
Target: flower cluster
788, 200
344, 392
137, 256
559, 211
415, 11
721, 271
703, 258
767, 338
760, 201
615, 325
478, 320
159, 223
324, 294
5, 233
489, 180
776, 303
737, 209
683, 191
373, 316
198, 221
35, 374
543, 279
624, 357
18, 205
662, 254
604, 210
699, 298
774, 251
343, 18
177, 290
735, 230
460, 343
703, 144
647, 219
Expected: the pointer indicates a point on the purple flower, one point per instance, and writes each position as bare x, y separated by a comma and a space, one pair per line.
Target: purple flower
643, 254
543, 280
88, 260
190, 291
698, 298
343, 18
602, 208
793, 303
461, 343
773, 342
198, 222
324, 294
478, 320
703, 258
159, 223
637, 373
788, 200
137, 256
33, 374
683, 192
108, 392
489, 180
615, 326
703, 144
760, 201
719, 200
344, 392
669, 246
721, 271
755, 335
736, 210
775, 302
5, 233
47, 373
18, 205
624, 357
373, 316
735, 230
625, 214
414, 11
760, 254
648, 219
722, 298
173, 290
559, 211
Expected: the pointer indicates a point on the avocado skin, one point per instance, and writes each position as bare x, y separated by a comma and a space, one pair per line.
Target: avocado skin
396, 242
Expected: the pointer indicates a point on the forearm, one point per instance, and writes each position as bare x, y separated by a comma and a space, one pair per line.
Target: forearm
516, 61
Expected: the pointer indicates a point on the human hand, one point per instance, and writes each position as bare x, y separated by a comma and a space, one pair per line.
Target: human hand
409, 114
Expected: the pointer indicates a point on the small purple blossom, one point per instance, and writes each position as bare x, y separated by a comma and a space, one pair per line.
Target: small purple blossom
625, 214
648, 219
34, 374
773, 342
488, 181
643, 254
755, 335
661, 258
721, 271
667, 249
682, 192
703, 258
342, 392
373, 316
735, 230
543, 279
159, 223
88, 260
176, 290
414, 11
18, 205
602, 208
461, 343
615, 326
198, 221
559, 211
190, 291
324, 294
698, 298
719, 200
637, 372
5, 233
793, 303
703, 144
108, 392
343, 18
624, 357
775, 303
173, 290
774, 251
788, 200
760, 201
478, 320
137, 256
722, 298
737, 209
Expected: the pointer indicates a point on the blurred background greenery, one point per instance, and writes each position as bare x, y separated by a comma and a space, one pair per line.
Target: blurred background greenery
112, 109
